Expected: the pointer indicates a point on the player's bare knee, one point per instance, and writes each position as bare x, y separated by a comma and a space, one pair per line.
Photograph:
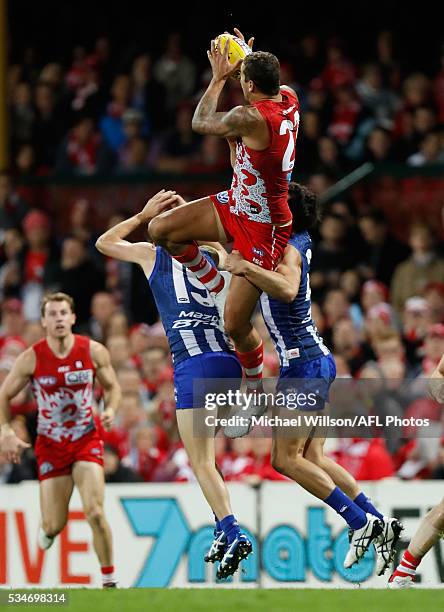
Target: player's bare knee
279, 462
236, 329
159, 230
95, 516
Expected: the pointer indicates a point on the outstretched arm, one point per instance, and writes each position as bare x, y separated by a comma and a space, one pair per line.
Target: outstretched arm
107, 377
282, 284
113, 243
14, 382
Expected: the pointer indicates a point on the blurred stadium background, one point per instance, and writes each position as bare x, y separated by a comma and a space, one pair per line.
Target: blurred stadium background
95, 116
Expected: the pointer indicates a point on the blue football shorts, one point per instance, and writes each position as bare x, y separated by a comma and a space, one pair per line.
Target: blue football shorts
190, 374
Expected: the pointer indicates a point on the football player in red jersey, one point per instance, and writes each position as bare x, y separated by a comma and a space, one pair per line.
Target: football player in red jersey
431, 528
62, 368
254, 213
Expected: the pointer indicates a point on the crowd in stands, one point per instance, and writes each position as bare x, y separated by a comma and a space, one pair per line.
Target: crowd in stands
100, 113
378, 301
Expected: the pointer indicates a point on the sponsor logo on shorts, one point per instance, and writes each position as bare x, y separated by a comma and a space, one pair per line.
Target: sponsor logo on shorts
258, 252
45, 468
223, 197
293, 353
96, 451
47, 380
81, 377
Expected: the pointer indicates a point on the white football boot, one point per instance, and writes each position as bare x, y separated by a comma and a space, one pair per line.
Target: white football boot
385, 544
360, 539
400, 582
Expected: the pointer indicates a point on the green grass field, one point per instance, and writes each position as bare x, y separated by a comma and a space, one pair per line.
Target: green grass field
278, 600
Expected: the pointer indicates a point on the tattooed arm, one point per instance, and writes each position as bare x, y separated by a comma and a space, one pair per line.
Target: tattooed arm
240, 121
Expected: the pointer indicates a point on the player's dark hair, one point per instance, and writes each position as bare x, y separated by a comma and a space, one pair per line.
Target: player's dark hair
56, 297
263, 69
304, 206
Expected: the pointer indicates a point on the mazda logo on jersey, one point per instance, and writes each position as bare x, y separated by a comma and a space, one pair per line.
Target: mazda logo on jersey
81, 377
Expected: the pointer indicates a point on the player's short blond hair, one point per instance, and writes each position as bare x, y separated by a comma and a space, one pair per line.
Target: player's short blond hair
58, 296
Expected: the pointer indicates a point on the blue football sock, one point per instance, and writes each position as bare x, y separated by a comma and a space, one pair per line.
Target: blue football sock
351, 512
217, 521
365, 503
230, 527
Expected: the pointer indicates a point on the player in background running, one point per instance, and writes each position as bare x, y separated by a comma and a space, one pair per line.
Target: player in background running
62, 368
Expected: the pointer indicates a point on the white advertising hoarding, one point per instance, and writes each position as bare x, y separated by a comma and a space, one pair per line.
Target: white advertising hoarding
161, 532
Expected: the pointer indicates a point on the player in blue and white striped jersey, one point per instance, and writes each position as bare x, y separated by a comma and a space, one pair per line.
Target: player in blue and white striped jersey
306, 362
200, 350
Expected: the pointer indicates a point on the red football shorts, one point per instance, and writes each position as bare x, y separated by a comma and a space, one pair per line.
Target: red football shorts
260, 243
57, 458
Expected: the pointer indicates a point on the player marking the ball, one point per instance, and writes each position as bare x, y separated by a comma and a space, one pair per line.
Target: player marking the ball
253, 213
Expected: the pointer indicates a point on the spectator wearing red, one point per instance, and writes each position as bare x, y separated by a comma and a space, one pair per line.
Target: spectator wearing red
338, 71
251, 462
365, 459
155, 368
40, 262
144, 456
131, 416
83, 151
373, 292
415, 323
346, 110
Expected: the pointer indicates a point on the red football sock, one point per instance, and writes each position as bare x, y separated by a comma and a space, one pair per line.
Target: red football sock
253, 364
108, 574
407, 566
193, 259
